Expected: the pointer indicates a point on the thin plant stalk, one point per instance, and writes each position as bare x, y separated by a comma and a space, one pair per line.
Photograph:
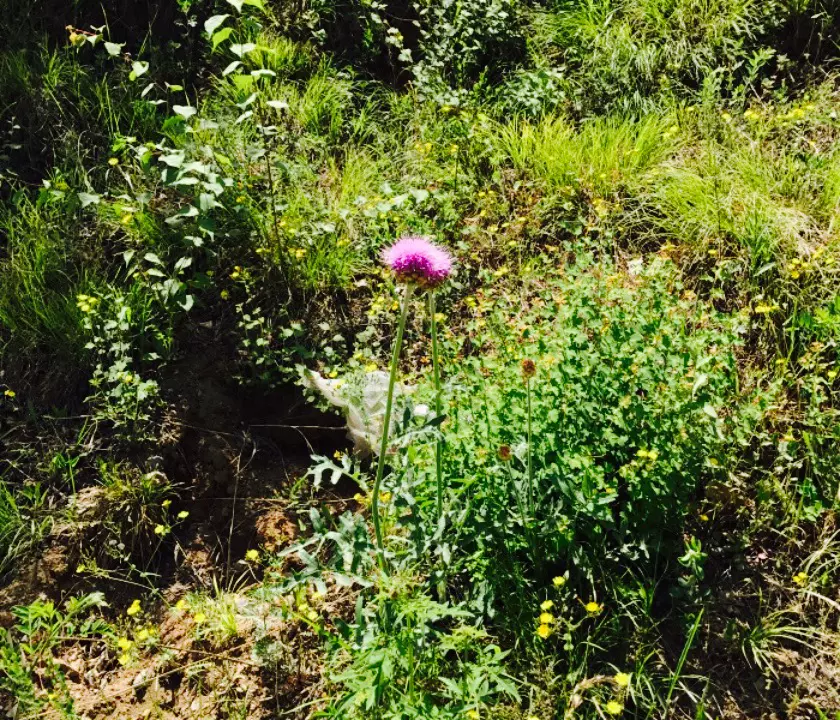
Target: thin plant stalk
438, 403
530, 452
386, 427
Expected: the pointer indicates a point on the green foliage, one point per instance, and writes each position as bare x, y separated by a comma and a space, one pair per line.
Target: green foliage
632, 409
405, 655
29, 671
24, 521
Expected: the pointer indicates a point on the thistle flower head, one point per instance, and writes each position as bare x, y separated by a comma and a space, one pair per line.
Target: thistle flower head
529, 369
415, 259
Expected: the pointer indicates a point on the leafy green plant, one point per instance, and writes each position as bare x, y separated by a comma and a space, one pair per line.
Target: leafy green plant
29, 670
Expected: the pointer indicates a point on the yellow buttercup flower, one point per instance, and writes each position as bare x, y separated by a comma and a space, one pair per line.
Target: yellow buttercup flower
124, 644
593, 608
613, 707
559, 581
801, 579
547, 605
199, 618
546, 619
133, 609
622, 679
544, 631
252, 555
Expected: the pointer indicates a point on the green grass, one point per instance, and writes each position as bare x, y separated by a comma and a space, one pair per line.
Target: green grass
642, 197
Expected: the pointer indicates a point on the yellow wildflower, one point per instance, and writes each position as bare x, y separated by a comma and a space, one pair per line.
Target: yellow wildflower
160, 530
559, 581
9, 393
547, 605
133, 609
199, 618
613, 707
143, 635
181, 605
622, 679
183, 515
252, 555
124, 644
546, 618
593, 608
801, 579
124, 659
544, 631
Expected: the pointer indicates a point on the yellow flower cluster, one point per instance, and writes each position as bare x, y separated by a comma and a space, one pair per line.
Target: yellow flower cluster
86, 303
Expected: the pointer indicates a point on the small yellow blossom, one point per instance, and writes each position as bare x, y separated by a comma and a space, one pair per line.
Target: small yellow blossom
160, 530
593, 608
9, 393
124, 659
613, 707
183, 515
143, 635
252, 555
181, 605
622, 679
113, 161
80, 568
124, 644
473, 715
133, 609
801, 579
166, 503
544, 631
559, 581
546, 605
385, 498
224, 294
546, 619
199, 618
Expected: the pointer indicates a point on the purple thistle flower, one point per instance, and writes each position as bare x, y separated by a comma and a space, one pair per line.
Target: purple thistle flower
415, 259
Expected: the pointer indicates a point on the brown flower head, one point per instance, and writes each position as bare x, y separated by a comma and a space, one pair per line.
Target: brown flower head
529, 368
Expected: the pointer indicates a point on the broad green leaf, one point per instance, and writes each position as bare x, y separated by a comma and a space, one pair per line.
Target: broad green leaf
114, 49
88, 199
185, 111
138, 69
221, 36
214, 23
242, 49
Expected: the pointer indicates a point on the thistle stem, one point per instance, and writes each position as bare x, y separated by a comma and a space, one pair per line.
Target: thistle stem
386, 428
438, 408
530, 453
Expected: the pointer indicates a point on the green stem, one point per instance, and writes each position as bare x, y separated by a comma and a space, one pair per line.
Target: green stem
438, 408
530, 453
386, 428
